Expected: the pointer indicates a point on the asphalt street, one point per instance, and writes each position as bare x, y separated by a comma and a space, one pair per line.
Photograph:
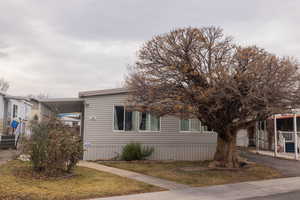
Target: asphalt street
295, 195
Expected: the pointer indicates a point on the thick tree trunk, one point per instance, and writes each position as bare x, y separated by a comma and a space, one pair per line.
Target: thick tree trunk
226, 155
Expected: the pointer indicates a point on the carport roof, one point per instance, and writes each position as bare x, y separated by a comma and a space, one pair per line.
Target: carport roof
64, 105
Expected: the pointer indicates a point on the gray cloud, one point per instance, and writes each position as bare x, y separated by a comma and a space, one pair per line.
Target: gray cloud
61, 47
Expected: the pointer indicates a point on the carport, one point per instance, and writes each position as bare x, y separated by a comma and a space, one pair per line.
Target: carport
66, 105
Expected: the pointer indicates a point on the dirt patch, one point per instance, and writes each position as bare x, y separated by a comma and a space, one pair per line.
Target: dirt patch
198, 169
6, 155
26, 172
192, 169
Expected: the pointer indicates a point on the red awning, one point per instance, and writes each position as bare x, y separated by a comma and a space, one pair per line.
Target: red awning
285, 116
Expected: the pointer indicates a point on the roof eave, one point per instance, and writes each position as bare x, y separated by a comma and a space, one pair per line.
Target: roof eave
103, 92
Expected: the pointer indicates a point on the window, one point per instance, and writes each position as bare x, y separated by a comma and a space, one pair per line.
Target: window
119, 118
15, 111
192, 125
125, 120
184, 125
148, 122
195, 125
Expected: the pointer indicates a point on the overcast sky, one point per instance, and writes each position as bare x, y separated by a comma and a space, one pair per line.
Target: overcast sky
61, 47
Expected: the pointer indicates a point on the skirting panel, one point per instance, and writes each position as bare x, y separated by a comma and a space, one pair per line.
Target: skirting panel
161, 152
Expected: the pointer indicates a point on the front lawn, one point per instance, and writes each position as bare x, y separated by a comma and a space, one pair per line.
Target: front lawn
196, 173
17, 182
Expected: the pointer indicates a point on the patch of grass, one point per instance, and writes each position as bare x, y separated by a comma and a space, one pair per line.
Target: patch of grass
196, 173
17, 182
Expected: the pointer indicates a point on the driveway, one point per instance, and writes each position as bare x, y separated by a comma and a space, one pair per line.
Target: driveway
6, 155
288, 168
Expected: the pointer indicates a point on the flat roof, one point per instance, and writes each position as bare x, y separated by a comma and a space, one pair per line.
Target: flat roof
103, 92
60, 100
64, 105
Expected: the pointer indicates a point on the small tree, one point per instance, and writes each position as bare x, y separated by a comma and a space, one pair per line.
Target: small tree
53, 148
200, 73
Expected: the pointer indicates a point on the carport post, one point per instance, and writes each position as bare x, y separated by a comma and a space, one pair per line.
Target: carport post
296, 136
257, 137
275, 136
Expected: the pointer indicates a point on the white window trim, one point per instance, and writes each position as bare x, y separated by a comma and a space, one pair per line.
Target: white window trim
147, 131
190, 131
113, 120
137, 123
15, 111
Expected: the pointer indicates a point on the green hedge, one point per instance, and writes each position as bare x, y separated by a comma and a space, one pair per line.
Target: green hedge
135, 151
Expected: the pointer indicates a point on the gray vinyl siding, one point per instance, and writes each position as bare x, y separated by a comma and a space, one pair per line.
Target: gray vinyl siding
102, 142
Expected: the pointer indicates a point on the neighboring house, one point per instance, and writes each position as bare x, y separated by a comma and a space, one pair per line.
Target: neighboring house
40, 111
16, 107
108, 126
23, 110
262, 135
2, 106
242, 139
285, 132
13, 108
262, 129
71, 120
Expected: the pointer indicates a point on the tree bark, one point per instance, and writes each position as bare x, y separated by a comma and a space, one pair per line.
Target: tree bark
226, 155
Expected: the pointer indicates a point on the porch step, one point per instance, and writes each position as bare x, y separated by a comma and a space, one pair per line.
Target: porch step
7, 141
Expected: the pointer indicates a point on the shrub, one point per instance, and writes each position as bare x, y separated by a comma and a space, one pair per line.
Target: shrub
135, 151
54, 149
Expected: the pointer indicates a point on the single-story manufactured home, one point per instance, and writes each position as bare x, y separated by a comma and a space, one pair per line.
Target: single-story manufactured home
70, 119
39, 110
13, 107
13, 110
107, 126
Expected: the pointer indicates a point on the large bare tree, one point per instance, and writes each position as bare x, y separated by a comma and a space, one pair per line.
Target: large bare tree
200, 73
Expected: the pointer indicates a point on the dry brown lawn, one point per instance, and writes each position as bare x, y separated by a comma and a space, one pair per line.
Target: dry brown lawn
197, 173
18, 183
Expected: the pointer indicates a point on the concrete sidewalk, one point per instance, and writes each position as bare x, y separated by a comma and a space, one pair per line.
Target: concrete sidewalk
221, 192
170, 185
